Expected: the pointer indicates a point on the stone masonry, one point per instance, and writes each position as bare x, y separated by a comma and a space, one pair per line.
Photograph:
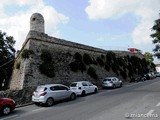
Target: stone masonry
28, 75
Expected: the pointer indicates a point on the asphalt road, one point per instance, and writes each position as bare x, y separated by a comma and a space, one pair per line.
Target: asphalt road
136, 101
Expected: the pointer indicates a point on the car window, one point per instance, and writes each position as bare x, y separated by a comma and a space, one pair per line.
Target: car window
73, 85
106, 80
90, 84
63, 88
84, 84
41, 88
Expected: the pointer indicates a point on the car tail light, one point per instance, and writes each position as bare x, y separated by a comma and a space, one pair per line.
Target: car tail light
79, 87
43, 93
33, 94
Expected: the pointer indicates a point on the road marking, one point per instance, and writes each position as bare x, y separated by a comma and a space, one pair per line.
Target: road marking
9, 117
37, 109
158, 104
150, 112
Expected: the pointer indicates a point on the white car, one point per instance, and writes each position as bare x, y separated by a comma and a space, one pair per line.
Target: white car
48, 94
112, 82
83, 87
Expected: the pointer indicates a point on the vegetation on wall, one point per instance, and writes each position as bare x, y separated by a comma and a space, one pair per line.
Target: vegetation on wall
124, 66
47, 66
26, 53
78, 64
92, 72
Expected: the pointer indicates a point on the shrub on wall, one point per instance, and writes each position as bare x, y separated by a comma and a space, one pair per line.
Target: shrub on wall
26, 53
100, 61
78, 56
107, 67
78, 64
87, 59
74, 66
46, 56
47, 67
92, 72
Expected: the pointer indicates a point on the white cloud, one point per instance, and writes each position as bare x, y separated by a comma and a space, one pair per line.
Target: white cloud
17, 25
146, 12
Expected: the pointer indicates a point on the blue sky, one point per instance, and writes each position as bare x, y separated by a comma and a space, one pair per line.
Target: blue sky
107, 24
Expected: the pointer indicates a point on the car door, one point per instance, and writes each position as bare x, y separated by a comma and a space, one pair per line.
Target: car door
91, 87
115, 82
65, 93
118, 82
85, 87
56, 93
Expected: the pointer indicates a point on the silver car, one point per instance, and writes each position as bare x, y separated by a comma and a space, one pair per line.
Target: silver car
112, 82
48, 94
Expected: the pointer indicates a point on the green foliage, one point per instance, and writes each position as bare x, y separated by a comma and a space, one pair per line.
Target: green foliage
92, 72
87, 59
100, 61
7, 56
78, 56
78, 64
156, 37
148, 56
47, 67
107, 67
46, 56
26, 53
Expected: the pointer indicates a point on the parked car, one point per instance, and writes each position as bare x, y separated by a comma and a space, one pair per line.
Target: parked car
111, 82
7, 105
157, 74
48, 94
83, 87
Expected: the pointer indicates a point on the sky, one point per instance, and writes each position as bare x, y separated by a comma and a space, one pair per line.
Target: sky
106, 24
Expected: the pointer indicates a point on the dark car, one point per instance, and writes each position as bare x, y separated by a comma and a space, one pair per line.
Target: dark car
7, 105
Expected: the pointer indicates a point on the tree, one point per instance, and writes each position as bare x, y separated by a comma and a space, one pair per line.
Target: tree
148, 56
7, 56
156, 37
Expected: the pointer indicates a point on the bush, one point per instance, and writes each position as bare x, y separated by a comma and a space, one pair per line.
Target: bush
100, 61
107, 67
123, 74
92, 72
74, 66
78, 56
47, 68
87, 59
46, 56
26, 53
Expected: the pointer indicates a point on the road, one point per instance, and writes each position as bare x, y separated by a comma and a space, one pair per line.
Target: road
137, 101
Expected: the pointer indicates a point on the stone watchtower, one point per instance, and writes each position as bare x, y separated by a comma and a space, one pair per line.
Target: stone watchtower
37, 23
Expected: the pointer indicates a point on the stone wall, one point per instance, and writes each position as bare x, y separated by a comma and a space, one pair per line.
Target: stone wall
62, 54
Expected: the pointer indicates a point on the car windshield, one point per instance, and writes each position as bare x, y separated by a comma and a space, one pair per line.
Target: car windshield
41, 88
73, 85
107, 80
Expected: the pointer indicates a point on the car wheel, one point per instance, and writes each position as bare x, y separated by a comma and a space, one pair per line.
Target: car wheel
95, 91
6, 110
83, 93
73, 96
49, 102
114, 86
